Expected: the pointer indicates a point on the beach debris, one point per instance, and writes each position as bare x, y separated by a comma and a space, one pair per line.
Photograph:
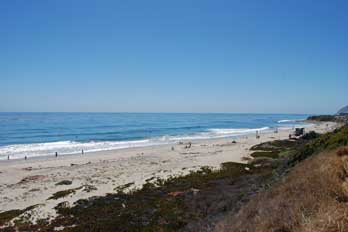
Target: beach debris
123, 205
234, 141
89, 188
34, 190
64, 182
189, 153
27, 169
31, 178
247, 169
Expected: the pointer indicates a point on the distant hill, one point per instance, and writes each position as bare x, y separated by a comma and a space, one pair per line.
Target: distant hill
322, 118
343, 111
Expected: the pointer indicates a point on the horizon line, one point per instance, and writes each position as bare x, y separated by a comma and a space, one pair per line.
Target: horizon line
136, 112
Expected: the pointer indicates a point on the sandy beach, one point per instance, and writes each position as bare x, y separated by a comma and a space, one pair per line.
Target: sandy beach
24, 183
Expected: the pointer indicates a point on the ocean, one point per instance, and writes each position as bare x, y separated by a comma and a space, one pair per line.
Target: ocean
42, 134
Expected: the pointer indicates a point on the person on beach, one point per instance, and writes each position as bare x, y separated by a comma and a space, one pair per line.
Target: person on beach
56, 154
188, 146
25, 157
172, 148
8, 157
83, 152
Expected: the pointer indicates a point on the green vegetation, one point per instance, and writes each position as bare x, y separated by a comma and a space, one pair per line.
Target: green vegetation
165, 205
322, 118
194, 200
64, 182
328, 141
9, 215
268, 154
63, 193
122, 188
274, 149
276, 145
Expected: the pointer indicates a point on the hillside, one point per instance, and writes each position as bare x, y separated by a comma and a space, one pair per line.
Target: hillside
312, 198
343, 111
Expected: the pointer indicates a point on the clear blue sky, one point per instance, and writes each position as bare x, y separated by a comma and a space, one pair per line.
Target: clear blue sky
174, 56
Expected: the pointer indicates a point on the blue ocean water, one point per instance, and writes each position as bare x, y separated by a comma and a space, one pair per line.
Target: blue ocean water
40, 134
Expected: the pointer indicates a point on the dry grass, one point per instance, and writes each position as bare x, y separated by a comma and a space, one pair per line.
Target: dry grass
312, 198
342, 151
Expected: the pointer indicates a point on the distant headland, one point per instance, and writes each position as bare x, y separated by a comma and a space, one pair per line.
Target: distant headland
340, 116
343, 111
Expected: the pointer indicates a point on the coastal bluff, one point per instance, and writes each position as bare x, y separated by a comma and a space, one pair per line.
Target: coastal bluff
343, 111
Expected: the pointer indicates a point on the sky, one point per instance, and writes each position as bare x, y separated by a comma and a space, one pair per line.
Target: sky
246, 56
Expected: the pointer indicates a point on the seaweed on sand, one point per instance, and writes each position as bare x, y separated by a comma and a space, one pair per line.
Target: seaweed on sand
63, 193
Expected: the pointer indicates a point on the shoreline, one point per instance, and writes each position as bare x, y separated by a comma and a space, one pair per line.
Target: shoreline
269, 130
24, 183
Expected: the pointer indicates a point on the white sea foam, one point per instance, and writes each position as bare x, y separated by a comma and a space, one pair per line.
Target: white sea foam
238, 131
291, 120
19, 151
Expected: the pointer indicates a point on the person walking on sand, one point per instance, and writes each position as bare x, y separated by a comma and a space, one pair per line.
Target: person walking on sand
25, 157
83, 152
8, 157
56, 154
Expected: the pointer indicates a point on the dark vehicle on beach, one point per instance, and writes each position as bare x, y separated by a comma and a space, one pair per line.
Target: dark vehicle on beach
299, 131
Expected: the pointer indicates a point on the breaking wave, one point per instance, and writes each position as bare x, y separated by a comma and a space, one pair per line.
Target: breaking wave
19, 151
291, 120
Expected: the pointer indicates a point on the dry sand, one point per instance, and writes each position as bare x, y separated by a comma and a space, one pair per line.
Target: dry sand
29, 182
